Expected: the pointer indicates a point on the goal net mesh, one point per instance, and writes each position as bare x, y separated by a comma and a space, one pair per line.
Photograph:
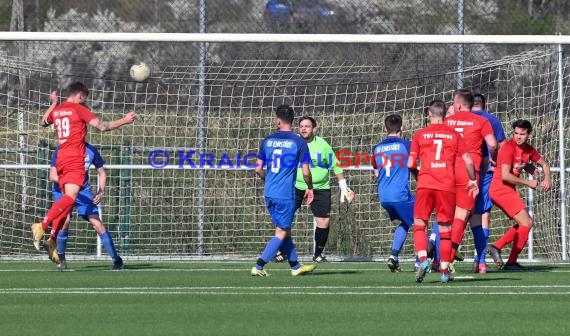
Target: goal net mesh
222, 110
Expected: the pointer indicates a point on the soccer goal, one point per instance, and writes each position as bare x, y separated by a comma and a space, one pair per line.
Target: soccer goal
179, 181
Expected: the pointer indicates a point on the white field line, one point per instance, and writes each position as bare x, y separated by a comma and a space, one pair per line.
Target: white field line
273, 292
276, 288
270, 270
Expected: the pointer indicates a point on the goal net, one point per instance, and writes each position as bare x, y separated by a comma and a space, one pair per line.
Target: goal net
204, 118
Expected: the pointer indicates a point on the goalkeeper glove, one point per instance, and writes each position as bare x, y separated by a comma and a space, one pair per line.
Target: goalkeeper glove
345, 192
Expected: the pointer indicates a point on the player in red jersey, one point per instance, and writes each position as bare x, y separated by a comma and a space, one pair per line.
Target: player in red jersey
437, 147
515, 156
474, 130
70, 121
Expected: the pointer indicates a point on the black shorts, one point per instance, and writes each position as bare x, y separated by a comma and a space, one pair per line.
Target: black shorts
321, 206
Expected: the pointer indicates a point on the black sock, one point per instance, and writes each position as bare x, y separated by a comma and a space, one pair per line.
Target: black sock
293, 263
321, 236
260, 262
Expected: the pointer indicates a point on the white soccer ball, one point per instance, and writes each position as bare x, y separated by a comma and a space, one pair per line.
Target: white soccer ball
140, 72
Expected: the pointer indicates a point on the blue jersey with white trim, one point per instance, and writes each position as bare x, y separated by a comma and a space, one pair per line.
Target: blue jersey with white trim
282, 153
391, 159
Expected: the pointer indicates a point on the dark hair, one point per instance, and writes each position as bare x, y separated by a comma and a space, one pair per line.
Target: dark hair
285, 113
466, 97
312, 120
479, 100
393, 123
77, 87
524, 124
437, 108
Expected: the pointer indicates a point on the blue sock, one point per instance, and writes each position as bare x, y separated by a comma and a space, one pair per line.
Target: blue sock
399, 238
107, 242
61, 241
484, 254
270, 250
435, 230
288, 248
480, 242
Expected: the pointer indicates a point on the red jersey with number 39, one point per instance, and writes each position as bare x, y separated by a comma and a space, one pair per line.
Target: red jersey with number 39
437, 147
70, 122
473, 128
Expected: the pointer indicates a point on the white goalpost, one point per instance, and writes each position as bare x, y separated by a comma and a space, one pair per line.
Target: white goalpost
180, 180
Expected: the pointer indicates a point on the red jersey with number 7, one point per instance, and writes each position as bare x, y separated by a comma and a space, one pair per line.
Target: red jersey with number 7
70, 122
437, 147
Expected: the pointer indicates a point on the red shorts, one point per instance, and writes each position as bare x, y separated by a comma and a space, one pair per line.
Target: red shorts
70, 170
462, 198
508, 200
429, 199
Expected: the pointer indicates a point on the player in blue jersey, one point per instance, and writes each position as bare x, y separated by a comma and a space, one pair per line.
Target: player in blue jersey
86, 205
481, 213
393, 177
280, 154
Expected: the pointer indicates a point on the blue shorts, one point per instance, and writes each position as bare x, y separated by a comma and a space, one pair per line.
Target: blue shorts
282, 211
403, 211
483, 202
83, 202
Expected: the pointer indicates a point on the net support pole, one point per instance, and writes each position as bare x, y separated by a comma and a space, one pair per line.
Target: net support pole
562, 158
530, 207
460, 31
125, 224
202, 130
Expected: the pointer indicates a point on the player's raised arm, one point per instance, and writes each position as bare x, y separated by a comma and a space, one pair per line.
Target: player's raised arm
46, 120
105, 126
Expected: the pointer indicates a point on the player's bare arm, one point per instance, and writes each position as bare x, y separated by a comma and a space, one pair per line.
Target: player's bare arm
43, 121
546, 183
53, 175
259, 169
102, 174
412, 162
493, 146
308, 178
105, 126
508, 176
472, 185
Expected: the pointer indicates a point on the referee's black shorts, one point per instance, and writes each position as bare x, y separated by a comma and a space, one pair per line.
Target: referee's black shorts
321, 206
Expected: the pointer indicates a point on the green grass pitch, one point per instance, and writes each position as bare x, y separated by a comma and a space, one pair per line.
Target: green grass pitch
221, 298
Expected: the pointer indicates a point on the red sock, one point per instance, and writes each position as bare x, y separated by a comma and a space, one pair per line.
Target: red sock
457, 232
445, 247
65, 203
508, 237
420, 242
57, 224
518, 246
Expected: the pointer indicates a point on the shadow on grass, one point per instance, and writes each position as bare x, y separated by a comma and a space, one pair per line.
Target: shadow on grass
466, 279
536, 268
324, 272
127, 266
